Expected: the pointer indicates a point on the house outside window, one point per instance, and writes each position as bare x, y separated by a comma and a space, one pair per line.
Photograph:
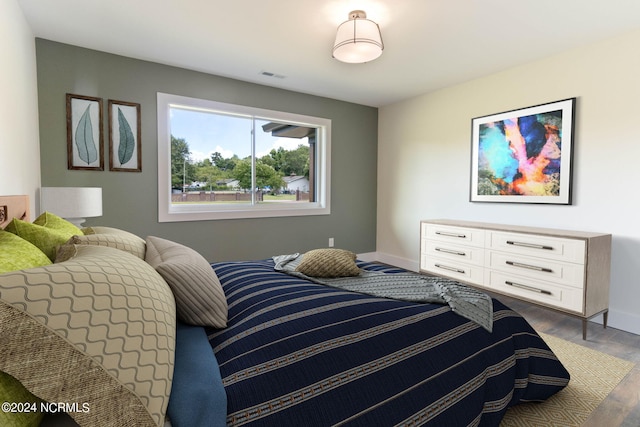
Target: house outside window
224, 161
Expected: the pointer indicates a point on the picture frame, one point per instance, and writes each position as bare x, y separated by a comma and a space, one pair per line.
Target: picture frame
85, 141
125, 151
524, 155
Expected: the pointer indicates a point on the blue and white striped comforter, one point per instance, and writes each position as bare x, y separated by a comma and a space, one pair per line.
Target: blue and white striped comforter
297, 353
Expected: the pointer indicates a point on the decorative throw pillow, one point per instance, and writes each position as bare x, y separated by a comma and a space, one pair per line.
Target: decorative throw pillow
46, 239
18, 254
54, 222
200, 299
125, 242
12, 391
328, 263
100, 328
100, 229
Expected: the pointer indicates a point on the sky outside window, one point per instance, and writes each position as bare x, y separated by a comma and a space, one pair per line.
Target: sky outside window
207, 132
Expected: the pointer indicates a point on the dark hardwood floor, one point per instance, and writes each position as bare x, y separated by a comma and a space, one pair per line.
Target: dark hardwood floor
622, 407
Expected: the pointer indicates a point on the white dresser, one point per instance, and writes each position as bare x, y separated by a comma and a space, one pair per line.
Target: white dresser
559, 269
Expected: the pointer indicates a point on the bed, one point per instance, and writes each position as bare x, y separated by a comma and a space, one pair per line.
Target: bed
296, 352
300, 353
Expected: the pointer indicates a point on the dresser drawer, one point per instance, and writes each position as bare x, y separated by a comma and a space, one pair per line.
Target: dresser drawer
565, 270
565, 273
455, 270
555, 295
458, 235
454, 252
570, 250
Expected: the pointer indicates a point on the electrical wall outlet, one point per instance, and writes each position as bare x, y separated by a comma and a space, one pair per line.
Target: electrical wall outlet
331, 242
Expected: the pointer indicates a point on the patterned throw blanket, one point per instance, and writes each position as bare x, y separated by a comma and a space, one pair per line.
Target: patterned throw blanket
463, 300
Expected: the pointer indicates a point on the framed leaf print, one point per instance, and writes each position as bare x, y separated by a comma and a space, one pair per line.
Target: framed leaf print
85, 144
124, 137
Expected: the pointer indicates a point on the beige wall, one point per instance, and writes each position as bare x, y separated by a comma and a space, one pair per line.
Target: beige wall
424, 158
20, 158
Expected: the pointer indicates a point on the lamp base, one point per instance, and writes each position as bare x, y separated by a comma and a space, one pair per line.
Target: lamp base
76, 221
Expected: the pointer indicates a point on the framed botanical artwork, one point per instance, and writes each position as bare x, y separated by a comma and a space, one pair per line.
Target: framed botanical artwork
125, 152
85, 143
525, 155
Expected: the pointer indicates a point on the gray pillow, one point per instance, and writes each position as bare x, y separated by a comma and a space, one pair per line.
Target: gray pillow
200, 299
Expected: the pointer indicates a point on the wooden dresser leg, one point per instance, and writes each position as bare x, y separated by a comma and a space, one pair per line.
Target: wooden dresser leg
605, 317
584, 329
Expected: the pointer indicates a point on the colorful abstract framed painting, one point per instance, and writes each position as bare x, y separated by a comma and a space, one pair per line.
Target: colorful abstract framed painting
125, 153
525, 155
85, 143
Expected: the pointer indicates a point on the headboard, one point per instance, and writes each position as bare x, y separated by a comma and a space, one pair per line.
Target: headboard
14, 207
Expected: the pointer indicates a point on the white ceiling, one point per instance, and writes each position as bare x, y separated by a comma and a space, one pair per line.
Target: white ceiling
429, 44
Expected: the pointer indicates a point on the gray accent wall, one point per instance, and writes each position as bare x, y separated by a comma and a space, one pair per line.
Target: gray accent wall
130, 199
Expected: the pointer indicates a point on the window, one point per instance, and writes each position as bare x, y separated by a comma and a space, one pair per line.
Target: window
221, 161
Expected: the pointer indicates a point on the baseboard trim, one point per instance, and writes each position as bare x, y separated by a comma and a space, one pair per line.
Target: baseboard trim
396, 261
368, 256
624, 321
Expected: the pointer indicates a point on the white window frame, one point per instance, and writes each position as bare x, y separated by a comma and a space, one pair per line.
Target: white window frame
169, 212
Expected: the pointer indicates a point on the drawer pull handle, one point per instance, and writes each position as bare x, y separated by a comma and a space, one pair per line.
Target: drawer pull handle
528, 288
530, 267
444, 233
449, 251
444, 267
529, 245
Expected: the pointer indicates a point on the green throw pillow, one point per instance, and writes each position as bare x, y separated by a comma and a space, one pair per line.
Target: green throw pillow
53, 221
12, 391
18, 254
46, 239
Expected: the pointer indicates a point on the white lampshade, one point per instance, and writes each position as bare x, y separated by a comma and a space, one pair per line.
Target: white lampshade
358, 39
72, 203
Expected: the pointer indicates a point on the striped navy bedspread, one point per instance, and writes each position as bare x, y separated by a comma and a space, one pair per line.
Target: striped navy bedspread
297, 353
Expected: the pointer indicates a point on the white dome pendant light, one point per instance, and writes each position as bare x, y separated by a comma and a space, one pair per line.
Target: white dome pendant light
358, 40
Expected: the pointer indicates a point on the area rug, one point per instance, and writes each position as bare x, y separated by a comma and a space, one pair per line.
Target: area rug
593, 376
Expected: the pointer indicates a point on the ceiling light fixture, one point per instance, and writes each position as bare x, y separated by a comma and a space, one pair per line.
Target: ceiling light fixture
358, 39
